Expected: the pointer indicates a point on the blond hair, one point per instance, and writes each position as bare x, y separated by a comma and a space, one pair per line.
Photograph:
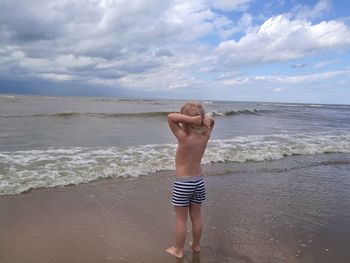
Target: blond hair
192, 109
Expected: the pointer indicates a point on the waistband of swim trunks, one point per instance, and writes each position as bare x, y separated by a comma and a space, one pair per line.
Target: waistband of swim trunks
194, 178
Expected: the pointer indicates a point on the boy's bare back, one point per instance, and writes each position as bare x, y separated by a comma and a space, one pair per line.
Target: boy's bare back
189, 154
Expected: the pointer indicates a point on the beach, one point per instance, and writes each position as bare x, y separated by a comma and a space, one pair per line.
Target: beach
87, 179
120, 120
252, 214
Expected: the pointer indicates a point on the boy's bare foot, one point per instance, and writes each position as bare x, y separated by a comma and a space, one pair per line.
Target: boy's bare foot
196, 249
175, 252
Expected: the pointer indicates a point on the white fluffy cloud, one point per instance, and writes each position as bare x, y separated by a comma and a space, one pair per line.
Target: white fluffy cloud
306, 12
282, 39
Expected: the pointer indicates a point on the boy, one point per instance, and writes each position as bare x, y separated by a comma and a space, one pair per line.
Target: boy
192, 130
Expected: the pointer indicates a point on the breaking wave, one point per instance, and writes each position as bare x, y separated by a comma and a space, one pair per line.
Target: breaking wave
24, 170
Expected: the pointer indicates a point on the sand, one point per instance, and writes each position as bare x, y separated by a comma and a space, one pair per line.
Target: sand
132, 220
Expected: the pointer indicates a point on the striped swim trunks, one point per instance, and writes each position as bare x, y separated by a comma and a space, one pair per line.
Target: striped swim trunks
188, 190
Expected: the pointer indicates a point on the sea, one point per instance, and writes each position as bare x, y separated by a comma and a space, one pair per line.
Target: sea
56, 141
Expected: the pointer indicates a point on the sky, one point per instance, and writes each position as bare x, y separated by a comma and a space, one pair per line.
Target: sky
240, 50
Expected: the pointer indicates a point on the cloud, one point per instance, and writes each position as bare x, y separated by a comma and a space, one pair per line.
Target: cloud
104, 41
326, 63
157, 45
285, 79
279, 89
57, 76
228, 28
31, 25
230, 5
300, 65
281, 39
318, 10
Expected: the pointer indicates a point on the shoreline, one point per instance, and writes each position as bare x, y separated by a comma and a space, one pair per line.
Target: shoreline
253, 216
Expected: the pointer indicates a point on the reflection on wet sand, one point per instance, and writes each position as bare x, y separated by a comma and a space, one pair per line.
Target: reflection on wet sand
194, 258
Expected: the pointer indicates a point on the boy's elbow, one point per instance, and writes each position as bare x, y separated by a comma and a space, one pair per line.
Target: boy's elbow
172, 117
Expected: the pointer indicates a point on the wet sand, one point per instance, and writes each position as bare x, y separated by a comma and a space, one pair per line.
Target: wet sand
254, 213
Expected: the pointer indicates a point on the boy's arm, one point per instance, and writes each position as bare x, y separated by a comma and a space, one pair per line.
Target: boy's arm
174, 120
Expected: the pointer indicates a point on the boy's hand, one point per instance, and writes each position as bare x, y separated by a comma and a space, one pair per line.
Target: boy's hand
206, 122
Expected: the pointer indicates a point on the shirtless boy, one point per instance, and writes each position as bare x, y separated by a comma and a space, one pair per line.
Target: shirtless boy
192, 129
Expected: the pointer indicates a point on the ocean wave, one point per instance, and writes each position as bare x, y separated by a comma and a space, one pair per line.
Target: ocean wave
234, 112
90, 114
150, 114
112, 115
24, 170
326, 106
7, 134
335, 162
9, 98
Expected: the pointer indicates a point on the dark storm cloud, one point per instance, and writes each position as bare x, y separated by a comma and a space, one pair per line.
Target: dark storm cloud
40, 86
21, 21
37, 20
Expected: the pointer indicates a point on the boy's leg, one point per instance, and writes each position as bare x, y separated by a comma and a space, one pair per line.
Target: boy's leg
181, 229
197, 225
181, 219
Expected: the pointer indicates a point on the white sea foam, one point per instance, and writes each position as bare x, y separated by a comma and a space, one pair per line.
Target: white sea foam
316, 106
23, 170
